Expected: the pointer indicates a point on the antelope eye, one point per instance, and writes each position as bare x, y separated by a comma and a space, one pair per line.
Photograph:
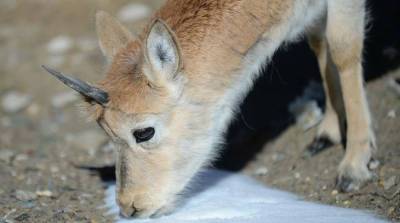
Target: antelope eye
143, 135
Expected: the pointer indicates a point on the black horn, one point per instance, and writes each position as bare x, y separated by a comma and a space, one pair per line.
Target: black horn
82, 87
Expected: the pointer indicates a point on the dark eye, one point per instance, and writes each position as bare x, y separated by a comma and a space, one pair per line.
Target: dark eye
143, 135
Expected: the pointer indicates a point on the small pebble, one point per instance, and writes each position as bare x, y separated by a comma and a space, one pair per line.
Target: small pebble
389, 183
391, 210
44, 193
324, 187
133, 12
15, 101
261, 171
334, 192
297, 175
6, 155
347, 202
63, 178
373, 164
25, 195
59, 45
391, 113
20, 157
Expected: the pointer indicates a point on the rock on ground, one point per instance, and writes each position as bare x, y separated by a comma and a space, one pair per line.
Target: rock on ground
59, 45
15, 101
25, 195
133, 12
6, 155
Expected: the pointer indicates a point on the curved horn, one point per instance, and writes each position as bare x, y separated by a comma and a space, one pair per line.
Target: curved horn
82, 87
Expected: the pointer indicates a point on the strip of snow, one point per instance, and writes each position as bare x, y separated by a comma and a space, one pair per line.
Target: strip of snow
219, 196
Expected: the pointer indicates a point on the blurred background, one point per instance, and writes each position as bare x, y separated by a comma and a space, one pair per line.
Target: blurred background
53, 162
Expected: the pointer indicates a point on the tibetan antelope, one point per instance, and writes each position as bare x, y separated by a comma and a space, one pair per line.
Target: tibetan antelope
170, 93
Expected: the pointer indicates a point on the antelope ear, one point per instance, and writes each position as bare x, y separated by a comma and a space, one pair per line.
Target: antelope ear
162, 52
111, 33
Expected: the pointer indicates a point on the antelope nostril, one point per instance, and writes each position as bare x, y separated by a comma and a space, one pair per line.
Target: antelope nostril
135, 210
128, 211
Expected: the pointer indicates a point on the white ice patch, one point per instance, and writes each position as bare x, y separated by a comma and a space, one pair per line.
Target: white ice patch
133, 12
228, 197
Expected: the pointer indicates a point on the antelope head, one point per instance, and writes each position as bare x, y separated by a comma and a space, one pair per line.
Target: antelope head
141, 105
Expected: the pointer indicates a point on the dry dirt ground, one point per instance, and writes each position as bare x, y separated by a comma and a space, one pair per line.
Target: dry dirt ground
46, 143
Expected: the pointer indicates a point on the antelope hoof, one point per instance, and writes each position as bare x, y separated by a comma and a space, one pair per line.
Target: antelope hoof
318, 145
347, 184
352, 178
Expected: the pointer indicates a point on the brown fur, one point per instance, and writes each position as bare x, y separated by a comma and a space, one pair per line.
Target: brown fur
198, 25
